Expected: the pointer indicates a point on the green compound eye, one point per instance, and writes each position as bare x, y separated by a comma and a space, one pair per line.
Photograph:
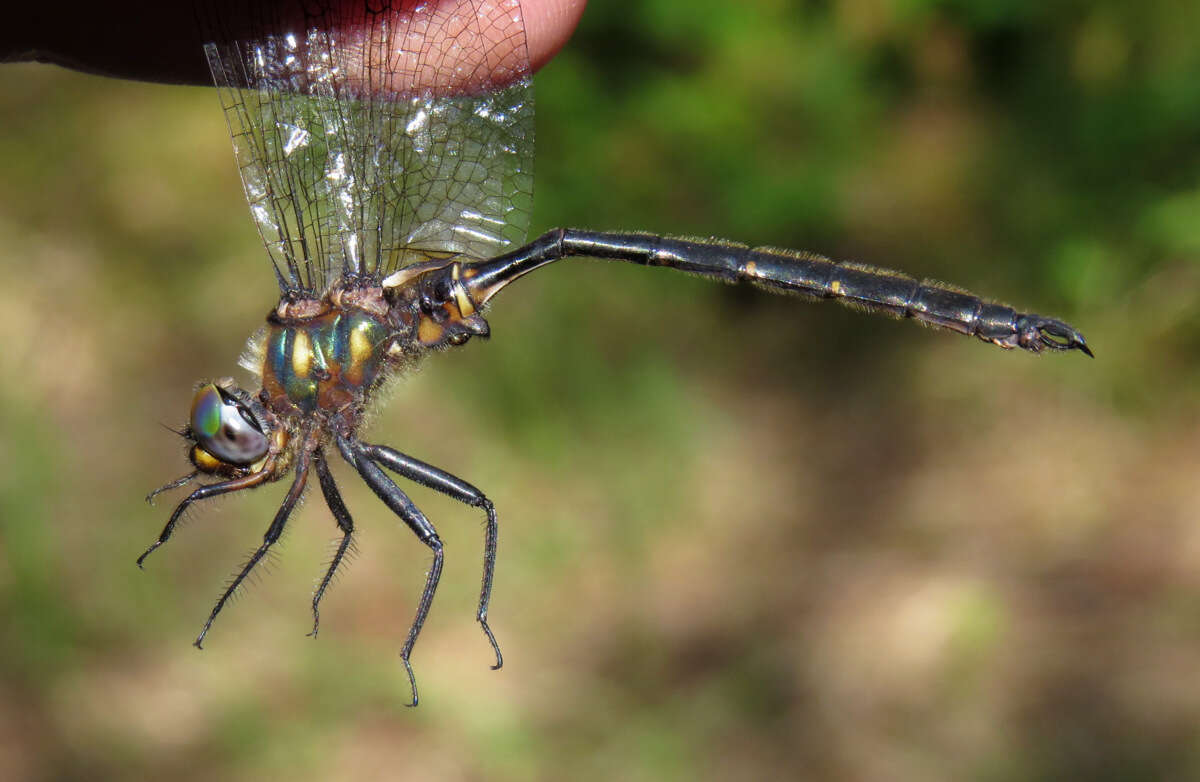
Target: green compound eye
225, 428
206, 412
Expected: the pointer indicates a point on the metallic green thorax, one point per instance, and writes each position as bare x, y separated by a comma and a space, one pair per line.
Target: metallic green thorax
324, 362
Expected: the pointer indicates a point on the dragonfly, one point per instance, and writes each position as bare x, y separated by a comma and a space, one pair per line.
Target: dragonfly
385, 150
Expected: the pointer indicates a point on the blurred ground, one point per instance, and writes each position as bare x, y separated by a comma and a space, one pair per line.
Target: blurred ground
741, 537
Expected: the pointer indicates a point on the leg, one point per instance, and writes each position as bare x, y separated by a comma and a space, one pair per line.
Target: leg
440, 480
203, 493
333, 499
175, 484
273, 533
399, 503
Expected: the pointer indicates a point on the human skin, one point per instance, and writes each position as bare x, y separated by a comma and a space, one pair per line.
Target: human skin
160, 41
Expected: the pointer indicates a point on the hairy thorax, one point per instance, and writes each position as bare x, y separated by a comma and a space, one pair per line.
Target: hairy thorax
328, 354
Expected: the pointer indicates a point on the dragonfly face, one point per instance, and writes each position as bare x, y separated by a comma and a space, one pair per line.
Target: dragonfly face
227, 434
386, 151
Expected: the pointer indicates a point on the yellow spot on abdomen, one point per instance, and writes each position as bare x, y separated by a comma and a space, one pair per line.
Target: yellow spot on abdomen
302, 354
836, 287
752, 269
428, 331
465, 308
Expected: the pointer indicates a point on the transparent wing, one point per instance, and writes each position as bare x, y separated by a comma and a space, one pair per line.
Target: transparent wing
370, 135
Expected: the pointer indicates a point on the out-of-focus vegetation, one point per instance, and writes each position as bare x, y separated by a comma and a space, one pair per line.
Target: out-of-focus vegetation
742, 537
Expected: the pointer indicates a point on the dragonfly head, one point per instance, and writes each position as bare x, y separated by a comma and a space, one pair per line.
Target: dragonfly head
230, 431
439, 304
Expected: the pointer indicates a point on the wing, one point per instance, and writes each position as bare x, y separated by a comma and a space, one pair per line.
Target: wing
370, 135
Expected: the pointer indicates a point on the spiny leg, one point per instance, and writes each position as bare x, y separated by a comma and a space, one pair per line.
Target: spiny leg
203, 493
456, 488
175, 484
399, 503
333, 499
272, 535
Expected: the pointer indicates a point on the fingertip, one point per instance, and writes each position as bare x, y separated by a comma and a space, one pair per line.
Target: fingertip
548, 26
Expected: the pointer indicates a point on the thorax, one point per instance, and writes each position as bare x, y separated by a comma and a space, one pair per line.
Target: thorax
326, 354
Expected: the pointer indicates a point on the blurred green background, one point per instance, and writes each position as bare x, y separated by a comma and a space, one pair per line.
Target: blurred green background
741, 537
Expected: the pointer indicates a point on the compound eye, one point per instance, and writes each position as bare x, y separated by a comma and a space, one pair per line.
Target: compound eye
225, 428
